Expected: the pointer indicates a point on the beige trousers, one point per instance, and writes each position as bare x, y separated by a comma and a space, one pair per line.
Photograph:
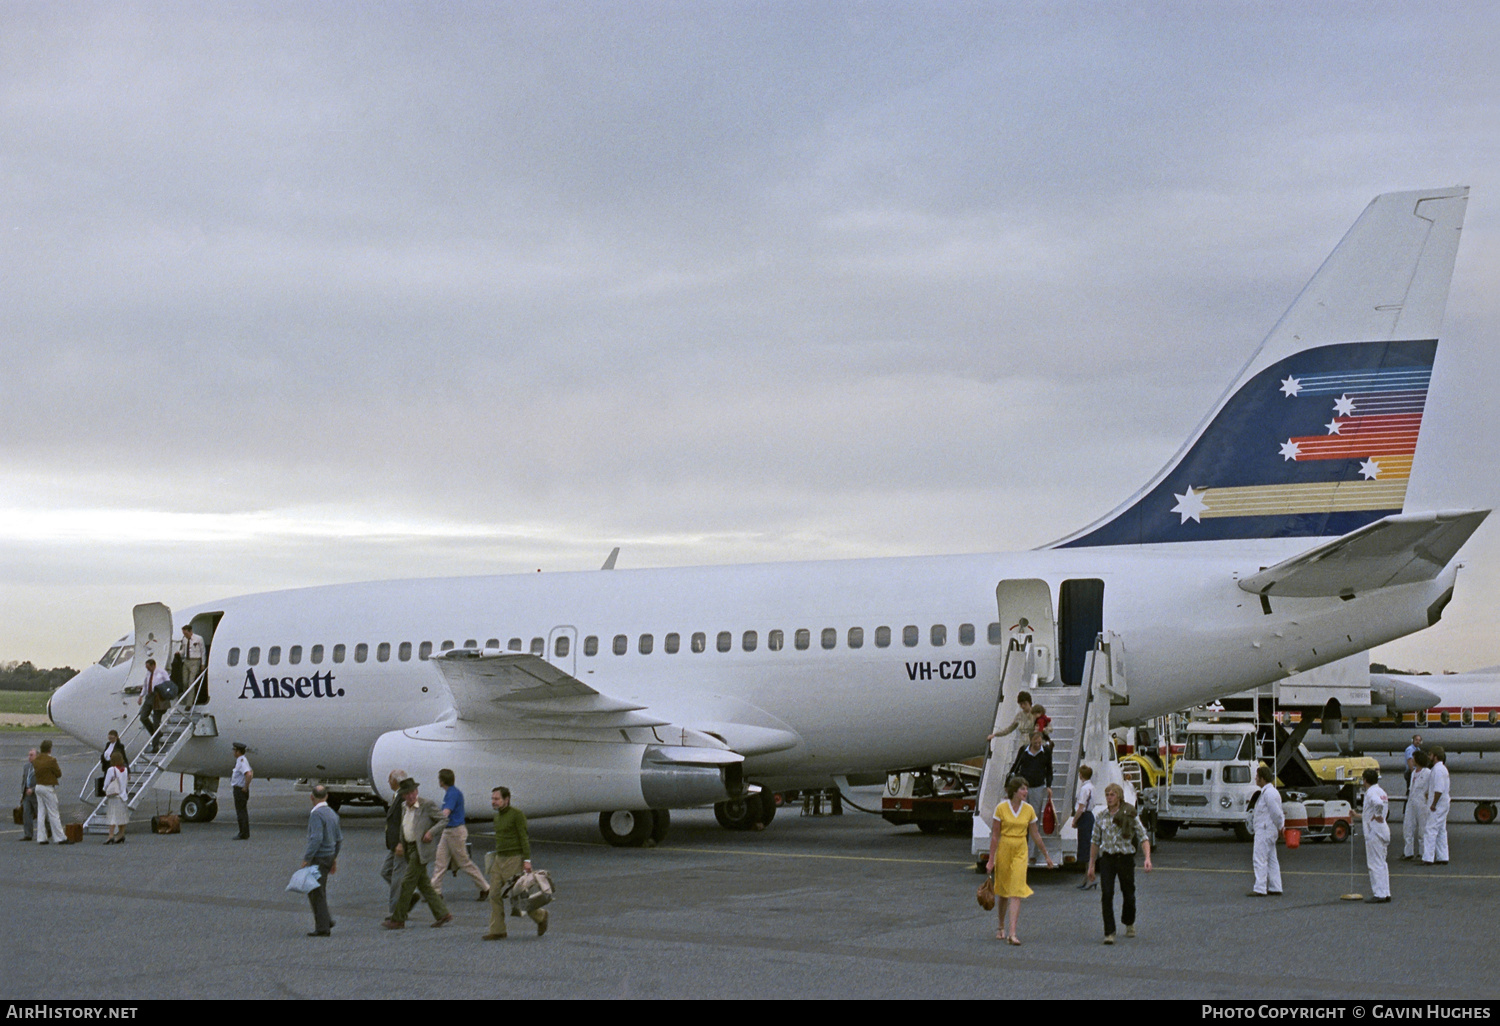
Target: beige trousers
502, 870
451, 845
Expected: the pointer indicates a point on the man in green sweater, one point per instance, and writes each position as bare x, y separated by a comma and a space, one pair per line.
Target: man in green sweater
512, 858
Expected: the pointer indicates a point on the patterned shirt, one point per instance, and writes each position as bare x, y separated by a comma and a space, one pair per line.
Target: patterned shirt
1110, 840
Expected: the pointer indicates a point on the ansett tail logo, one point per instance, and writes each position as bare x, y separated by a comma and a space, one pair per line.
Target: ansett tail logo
319, 685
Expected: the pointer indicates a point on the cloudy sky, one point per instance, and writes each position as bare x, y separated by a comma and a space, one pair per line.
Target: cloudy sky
304, 293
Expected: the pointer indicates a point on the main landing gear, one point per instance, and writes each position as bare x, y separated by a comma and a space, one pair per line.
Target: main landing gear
199, 808
637, 828
752, 812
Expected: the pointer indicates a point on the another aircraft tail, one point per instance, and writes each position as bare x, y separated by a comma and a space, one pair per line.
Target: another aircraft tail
1316, 436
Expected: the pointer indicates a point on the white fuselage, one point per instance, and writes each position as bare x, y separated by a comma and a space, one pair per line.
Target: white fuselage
1189, 633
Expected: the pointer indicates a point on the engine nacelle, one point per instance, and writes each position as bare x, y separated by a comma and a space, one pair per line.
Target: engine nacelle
558, 777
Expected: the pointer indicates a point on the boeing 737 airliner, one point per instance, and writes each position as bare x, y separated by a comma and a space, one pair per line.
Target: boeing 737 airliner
1274, 541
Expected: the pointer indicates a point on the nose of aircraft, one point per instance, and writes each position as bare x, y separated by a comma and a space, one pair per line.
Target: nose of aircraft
78, 706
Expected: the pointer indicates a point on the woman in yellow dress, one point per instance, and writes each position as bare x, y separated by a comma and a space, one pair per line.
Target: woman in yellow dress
1013, 819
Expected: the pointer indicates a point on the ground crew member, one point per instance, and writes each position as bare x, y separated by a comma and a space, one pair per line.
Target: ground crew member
1377, 837
1269, 821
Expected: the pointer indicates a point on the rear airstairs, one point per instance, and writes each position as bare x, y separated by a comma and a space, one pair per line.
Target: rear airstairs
153, 753
1079, 732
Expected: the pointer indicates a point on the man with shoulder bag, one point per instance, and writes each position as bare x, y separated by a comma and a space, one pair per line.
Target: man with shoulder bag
512, 857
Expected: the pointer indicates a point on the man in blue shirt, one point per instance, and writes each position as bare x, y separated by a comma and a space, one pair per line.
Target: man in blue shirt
454, 840
1411, 766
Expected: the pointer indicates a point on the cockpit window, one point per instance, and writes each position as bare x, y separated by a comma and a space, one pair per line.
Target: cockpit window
108, 658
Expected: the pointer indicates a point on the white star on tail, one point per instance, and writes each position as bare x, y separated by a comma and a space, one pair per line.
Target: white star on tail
1343, 406
1290, 450
1290, 387
1191, 505
1369, 469
1333, 427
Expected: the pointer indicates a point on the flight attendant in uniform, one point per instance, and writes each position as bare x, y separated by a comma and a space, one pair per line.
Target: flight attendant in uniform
1269, 821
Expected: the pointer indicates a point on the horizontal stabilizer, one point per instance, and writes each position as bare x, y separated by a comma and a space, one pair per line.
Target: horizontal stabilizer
1402, 549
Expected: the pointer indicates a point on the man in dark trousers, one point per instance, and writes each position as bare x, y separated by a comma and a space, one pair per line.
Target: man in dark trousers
422, 826
239, 781
1035, 765
324, 839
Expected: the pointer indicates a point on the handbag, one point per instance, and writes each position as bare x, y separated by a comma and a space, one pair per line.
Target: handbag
1049, 820
529, 891
986, 895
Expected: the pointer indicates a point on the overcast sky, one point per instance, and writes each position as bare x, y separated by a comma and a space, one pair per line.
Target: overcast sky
304, 293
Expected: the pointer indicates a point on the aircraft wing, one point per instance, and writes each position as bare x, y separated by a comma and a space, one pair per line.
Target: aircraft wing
520, 689
1399, 549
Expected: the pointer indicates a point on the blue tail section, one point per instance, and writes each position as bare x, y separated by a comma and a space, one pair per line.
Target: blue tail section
1317, 435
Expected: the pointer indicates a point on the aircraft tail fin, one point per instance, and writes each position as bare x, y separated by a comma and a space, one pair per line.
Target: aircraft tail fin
1316, 435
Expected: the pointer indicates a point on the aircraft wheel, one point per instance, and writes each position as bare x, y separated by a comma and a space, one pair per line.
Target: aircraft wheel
1484, 812
1339, 832
210, 809
661, 823
1166, 829
1242, 832
192, 808
625, 828
737, 813
767, 808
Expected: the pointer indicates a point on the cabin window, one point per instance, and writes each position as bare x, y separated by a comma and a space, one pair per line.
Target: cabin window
1466, 717
645, 644
538, 646
424, 650
830, 637
939, 635
622, 644
252, 657
996, 634
492, 643
910, 635
672, 643
1421, 717
775, 640
446, 646
273, 656
560, 647
338, 653
802, 639
361, 652
856, 637
966, 634
725, 641
700, 642
882, 637
294, 656
404, 652
513, 645
749, 640
1446, 719
234, 657
471, 643
383, 652
591, 645
317, 654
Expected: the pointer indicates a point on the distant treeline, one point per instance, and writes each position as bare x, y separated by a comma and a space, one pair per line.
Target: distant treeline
1382, 668
25, 677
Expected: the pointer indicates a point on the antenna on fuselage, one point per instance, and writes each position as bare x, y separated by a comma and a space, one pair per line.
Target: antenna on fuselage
609, 564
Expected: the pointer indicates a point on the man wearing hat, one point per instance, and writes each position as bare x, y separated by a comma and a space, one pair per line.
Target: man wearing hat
422, 824
239, 780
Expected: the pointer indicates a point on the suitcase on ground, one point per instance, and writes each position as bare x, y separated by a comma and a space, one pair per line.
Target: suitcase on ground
73, 832
171, 823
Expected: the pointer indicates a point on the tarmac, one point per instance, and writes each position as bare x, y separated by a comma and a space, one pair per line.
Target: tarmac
811, 907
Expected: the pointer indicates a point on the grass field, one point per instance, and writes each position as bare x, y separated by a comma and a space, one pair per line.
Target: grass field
24, 701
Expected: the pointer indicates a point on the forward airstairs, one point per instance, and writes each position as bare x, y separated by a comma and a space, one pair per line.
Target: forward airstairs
1079, 732
153, 753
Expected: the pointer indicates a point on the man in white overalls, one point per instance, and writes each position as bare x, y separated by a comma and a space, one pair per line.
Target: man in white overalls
1377, 837
1269, 820
1435, 836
